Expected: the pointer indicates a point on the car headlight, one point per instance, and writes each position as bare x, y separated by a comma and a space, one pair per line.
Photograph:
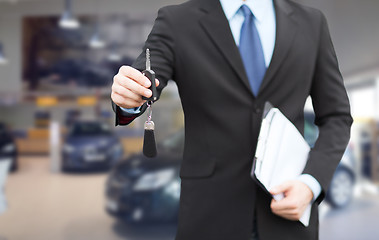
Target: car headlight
154, 180
173, 189
8, 148
68, 148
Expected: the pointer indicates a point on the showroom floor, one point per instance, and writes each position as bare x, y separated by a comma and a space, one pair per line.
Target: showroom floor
55, 206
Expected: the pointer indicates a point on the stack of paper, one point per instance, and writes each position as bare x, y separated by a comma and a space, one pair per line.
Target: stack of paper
281, 154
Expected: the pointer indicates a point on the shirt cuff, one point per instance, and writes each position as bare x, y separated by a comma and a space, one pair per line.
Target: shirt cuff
312, 183
131, 110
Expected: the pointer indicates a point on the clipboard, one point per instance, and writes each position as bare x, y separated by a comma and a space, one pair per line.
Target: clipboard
281, 153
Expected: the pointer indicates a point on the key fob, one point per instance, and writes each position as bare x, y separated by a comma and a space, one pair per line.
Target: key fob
149, 144
150, 74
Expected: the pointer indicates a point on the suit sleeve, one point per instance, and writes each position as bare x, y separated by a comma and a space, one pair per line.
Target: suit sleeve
161, 45
332, 110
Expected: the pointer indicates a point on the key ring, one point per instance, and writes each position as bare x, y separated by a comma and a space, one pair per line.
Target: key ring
150, 110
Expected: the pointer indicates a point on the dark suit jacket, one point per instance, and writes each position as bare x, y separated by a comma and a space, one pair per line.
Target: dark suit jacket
192, 44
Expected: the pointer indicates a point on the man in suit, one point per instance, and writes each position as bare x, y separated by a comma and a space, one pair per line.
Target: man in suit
228, 58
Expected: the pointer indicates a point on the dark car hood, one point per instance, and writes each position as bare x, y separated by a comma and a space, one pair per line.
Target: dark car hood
138, 164
151, 164
98, 141
5, 139
170, 155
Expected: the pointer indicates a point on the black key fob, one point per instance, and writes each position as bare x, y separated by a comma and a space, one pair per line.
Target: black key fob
150, 74
149, 145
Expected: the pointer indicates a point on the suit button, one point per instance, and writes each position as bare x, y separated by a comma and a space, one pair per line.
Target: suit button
258, 110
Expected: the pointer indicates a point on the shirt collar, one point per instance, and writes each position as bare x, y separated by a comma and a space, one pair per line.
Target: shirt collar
258, 7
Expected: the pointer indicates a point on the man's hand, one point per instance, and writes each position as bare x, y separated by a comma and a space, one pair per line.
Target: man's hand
129, 85
297, 195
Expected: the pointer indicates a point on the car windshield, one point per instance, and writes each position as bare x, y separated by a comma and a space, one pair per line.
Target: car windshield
90, 128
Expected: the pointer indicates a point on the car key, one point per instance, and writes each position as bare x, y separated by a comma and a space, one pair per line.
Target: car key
149, 144
150, 74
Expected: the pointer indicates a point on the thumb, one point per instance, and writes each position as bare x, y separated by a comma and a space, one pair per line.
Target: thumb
281, 188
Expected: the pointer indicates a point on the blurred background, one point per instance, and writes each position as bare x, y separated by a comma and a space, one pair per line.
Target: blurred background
73, 175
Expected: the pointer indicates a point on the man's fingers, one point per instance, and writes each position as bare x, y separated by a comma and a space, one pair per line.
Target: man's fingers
133, 86
126, 93
286, 209
292, 206
129, 86
291, 215
157, 82
135, 75
125, 102
281, 188
287, 213
283, 204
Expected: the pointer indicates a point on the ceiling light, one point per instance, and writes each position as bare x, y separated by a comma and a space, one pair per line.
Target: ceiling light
114, 55
67, 19
96, 41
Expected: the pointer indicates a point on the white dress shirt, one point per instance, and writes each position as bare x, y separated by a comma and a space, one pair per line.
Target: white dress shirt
265, 22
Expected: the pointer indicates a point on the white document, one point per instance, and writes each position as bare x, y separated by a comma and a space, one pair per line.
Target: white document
281, 154
4, 169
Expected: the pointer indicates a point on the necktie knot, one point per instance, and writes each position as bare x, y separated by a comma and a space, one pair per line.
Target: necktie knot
246, 11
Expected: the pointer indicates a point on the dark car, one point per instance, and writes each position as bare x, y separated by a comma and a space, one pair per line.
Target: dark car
341, 188
90, 145
148, 189
8, 149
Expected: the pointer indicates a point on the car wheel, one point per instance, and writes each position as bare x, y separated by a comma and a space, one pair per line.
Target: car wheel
341, 188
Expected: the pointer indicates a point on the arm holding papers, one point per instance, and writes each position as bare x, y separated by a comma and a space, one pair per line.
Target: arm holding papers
281, 156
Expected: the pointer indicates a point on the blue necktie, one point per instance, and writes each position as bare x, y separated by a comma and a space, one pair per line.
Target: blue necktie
251, 51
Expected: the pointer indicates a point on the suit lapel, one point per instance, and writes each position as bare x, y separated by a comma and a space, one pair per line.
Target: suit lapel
217, 27
286, 29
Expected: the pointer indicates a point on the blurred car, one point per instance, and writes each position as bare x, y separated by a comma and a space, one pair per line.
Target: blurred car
90, 145
8, 149
147, 189
341, 188
141, 189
